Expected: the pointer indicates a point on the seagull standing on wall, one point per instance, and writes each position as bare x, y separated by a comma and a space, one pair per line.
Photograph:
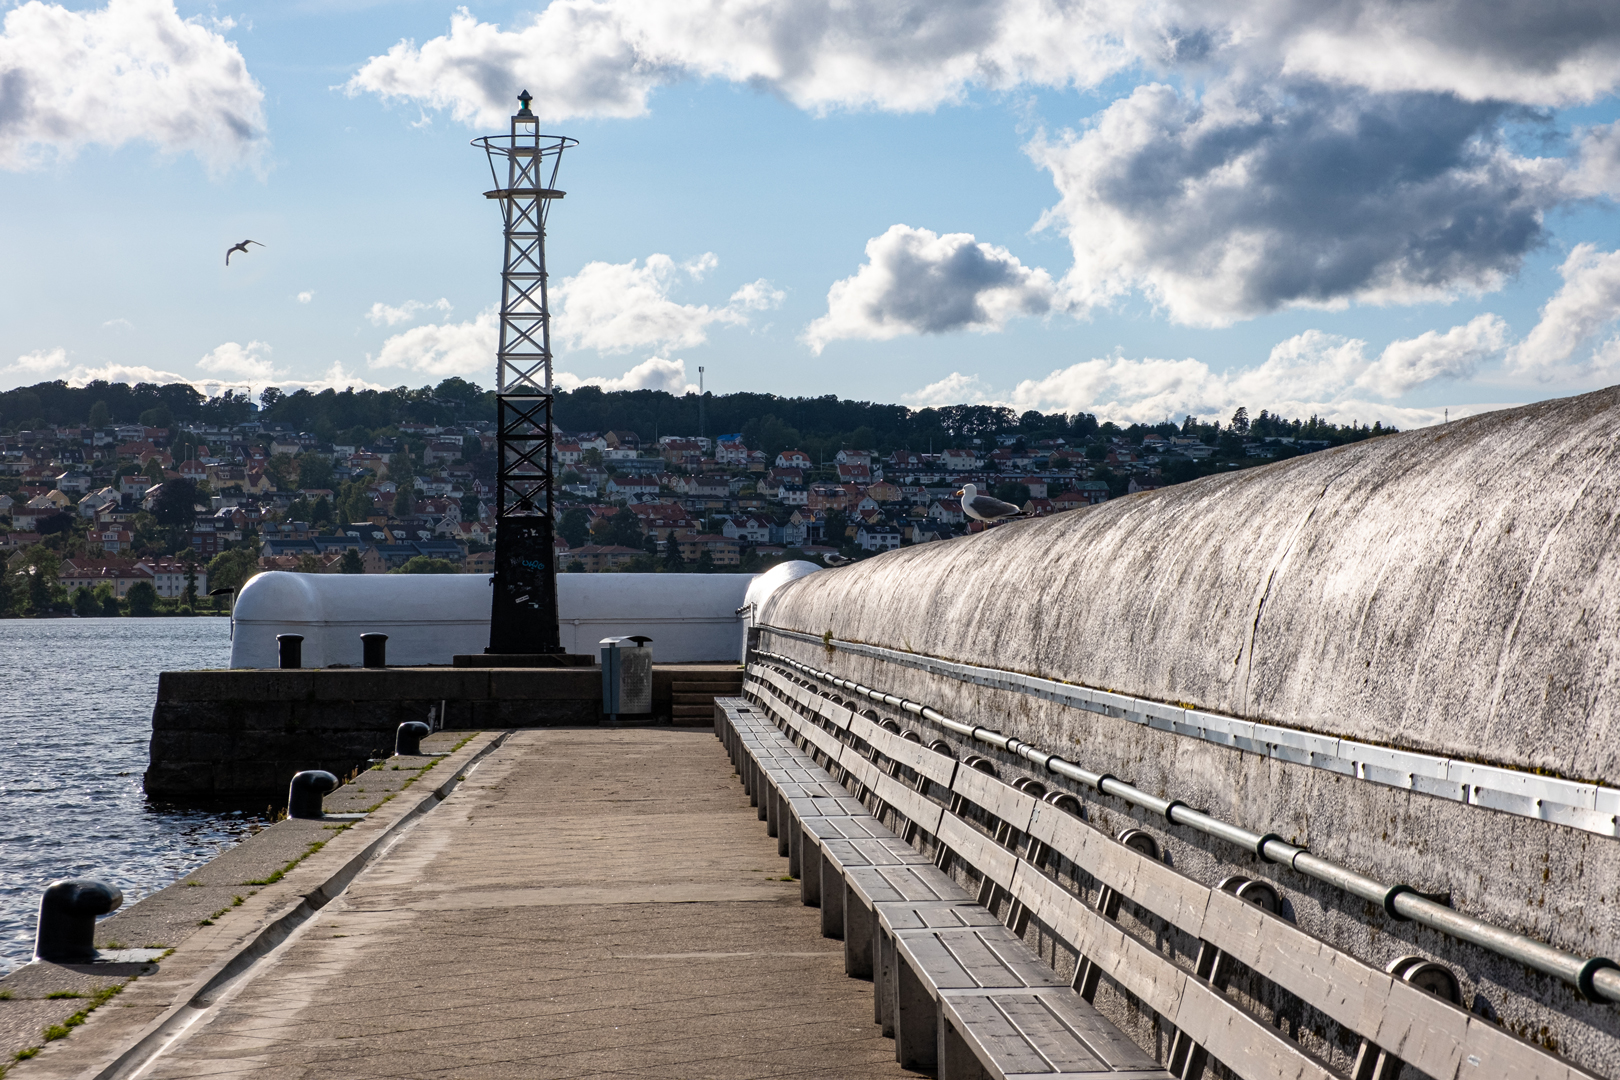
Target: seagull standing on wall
242, 247
984, 508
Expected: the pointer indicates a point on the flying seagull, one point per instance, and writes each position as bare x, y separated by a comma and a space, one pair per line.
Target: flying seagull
984, 508
242, 247
836, 560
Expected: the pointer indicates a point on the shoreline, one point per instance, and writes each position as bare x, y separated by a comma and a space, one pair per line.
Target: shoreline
220, 909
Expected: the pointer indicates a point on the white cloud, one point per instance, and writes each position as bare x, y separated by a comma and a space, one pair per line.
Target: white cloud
466, 349
619, 307
605, 57
954, 389
334, 378
1597, 162
1244, 202
40, 364
1310, 373
382, 314
231, 366
1333, 151
247, 363
118, 324
1124, 389
131, 71
306, 296
1588, 301
129, 373
1456, 354
758, 295
917, 282
608, 307
655, 373
1517, 50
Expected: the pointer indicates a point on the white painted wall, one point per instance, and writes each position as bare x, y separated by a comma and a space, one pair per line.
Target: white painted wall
429, 618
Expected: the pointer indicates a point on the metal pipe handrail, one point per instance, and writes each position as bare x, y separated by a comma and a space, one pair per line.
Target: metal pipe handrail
1597, 977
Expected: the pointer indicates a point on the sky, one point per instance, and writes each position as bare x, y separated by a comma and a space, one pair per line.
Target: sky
1372, 210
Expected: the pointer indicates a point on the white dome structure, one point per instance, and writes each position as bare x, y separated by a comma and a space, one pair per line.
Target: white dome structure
430, 618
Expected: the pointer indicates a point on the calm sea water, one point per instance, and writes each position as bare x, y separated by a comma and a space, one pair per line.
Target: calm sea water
76, 700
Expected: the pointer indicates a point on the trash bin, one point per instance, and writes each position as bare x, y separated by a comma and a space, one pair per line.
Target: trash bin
626, 675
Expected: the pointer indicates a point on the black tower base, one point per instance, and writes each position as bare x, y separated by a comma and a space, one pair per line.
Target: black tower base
523, 611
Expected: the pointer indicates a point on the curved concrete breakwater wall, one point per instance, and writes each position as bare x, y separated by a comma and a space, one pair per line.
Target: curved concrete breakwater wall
1451, 592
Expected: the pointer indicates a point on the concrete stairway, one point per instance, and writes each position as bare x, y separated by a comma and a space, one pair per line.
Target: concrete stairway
692, 700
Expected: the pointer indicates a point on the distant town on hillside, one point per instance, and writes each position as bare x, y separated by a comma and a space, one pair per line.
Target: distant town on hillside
142, 500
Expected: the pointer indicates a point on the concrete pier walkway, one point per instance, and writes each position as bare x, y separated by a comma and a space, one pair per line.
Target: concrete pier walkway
589, 903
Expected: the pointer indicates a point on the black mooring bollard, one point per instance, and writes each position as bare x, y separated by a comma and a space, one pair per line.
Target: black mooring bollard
305, 792
67, 919
408, 740
374, 650
292, 650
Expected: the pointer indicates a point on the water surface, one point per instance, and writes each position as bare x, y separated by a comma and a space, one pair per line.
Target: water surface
76, 700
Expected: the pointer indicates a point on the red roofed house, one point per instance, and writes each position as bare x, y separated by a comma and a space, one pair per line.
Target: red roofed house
596, 557
91, 573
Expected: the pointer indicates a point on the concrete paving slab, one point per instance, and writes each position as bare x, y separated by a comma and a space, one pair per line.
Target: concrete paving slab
589, 903
203, 944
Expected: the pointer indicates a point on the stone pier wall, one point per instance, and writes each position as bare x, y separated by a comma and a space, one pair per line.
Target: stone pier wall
242, 734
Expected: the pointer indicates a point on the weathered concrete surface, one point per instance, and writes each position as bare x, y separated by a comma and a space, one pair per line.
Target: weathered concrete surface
588, 903
1449, 590
219, 904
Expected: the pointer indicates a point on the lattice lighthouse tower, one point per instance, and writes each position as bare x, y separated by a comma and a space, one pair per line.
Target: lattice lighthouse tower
523, 615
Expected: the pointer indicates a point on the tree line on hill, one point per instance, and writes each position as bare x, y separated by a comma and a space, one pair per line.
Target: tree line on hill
820, 426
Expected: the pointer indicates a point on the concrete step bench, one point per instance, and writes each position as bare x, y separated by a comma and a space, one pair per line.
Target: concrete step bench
1003, 836
886, 899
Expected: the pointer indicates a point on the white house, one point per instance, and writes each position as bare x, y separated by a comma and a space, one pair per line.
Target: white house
749, 529
169, 576
91, 504
74, 482
633, 488
793, 459
793, 494
877, 537
32, 512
